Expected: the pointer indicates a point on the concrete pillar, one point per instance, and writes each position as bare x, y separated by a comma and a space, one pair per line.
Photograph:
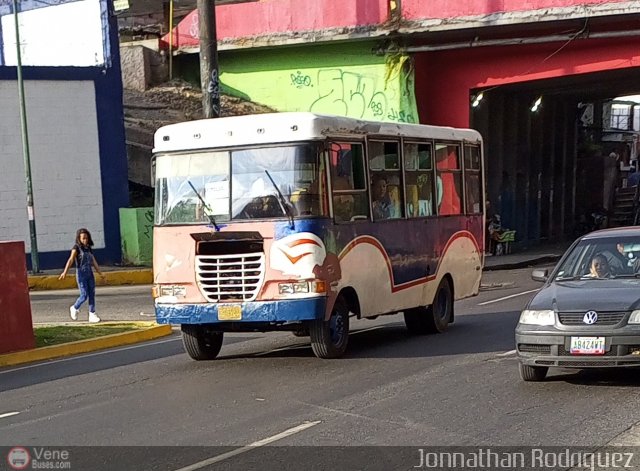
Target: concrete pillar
16, 326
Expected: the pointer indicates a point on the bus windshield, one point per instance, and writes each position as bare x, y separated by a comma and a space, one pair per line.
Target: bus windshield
256, 183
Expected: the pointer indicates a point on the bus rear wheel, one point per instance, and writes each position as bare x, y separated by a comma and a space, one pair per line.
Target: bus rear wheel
201, 342
329, 338
432, 319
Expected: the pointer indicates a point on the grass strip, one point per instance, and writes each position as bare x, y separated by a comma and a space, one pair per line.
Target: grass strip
55, 335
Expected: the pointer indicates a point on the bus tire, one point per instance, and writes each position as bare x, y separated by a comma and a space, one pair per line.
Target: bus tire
201, 342
432, 319
329, 338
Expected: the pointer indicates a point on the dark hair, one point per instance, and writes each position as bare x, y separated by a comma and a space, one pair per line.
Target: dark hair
84, 231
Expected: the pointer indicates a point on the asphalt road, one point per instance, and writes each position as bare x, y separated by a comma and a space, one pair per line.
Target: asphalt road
458, 388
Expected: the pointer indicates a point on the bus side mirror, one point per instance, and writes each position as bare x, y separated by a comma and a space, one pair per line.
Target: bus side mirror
540, 275
153, 172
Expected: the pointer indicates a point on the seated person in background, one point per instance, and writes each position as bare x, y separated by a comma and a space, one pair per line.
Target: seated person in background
600, 267
382, 208
343, 203
261, 207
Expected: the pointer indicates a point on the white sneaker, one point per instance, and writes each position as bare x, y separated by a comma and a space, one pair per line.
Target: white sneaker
93, 317
73, 312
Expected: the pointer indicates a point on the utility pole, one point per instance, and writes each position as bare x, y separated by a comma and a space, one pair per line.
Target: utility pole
167, 9
35, 264
209, 76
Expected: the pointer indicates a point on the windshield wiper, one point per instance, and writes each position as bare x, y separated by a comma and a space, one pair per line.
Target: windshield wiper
627, 275
208, 211
283, 202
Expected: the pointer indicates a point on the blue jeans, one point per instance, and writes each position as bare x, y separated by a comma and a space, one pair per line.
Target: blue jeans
87, 285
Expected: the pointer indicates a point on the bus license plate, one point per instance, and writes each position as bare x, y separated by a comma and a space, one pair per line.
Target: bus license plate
229, 313
587, 346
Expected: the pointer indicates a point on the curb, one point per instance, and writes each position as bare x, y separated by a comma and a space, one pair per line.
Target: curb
111, 278
532, 262
84, 346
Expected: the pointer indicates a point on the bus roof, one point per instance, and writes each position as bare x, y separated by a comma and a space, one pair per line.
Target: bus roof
272, 128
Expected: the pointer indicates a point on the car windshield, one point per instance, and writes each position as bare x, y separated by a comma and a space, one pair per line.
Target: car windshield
260, 183
602, 258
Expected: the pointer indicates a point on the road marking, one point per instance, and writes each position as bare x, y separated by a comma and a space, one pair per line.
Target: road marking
508, 297
8, 414
76, 357
244, 449
506, 354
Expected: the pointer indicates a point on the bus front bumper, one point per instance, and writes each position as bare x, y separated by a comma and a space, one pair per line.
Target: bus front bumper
281, 311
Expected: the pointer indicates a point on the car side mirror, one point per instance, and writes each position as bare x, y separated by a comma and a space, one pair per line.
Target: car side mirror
540, 275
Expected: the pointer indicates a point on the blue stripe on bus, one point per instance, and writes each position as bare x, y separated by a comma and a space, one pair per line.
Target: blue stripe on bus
292, 310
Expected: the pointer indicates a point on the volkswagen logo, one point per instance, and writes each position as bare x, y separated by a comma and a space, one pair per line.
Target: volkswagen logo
590, 317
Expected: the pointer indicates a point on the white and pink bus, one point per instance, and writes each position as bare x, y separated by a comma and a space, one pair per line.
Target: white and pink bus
301, 222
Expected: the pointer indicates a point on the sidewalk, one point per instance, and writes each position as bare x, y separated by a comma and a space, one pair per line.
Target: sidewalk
526, 258
113, 276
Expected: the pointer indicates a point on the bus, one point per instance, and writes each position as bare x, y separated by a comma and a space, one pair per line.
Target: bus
302, 222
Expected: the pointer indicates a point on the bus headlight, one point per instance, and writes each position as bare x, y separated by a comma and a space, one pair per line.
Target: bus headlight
169, 290
302, 287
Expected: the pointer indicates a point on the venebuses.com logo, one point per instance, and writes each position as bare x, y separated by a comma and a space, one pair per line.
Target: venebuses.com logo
21, 458
18, 458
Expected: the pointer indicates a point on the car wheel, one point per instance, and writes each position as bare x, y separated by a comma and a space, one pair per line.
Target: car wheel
435, 318
329, 338
201, 342
533, 373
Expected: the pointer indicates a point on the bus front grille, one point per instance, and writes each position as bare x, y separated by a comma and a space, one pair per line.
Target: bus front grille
230, 278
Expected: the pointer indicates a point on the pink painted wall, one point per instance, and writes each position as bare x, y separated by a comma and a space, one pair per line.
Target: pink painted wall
444, 79
282, 16
420, 9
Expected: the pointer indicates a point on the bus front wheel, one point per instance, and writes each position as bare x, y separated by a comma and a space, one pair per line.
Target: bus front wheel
329, 338
432, 319
201, 342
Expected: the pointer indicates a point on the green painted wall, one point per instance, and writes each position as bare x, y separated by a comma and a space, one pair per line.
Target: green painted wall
136, 233
344, 79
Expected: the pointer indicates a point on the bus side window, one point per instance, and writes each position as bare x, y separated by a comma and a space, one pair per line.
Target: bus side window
350, 202
386, 180
418, 166
449, 179
473, 189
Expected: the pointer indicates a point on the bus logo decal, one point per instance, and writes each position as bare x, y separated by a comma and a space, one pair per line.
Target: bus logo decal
298, 254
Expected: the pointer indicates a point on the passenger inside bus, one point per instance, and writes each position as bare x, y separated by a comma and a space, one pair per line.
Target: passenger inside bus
343, 204
385, 196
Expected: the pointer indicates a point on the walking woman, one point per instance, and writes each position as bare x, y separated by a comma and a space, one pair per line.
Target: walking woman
85, 262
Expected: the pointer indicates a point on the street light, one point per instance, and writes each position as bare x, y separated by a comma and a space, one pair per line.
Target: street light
35, 264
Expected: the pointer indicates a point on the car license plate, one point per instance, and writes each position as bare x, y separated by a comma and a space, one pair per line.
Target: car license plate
587, 346
229, 313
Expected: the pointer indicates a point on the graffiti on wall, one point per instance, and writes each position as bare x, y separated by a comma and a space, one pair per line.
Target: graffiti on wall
148, 225
299, 80
214, 92
348, 93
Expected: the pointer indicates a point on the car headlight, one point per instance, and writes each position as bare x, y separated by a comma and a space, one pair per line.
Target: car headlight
635, 317
535, 317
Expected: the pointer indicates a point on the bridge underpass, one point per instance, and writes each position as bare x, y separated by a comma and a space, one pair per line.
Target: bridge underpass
545, 168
